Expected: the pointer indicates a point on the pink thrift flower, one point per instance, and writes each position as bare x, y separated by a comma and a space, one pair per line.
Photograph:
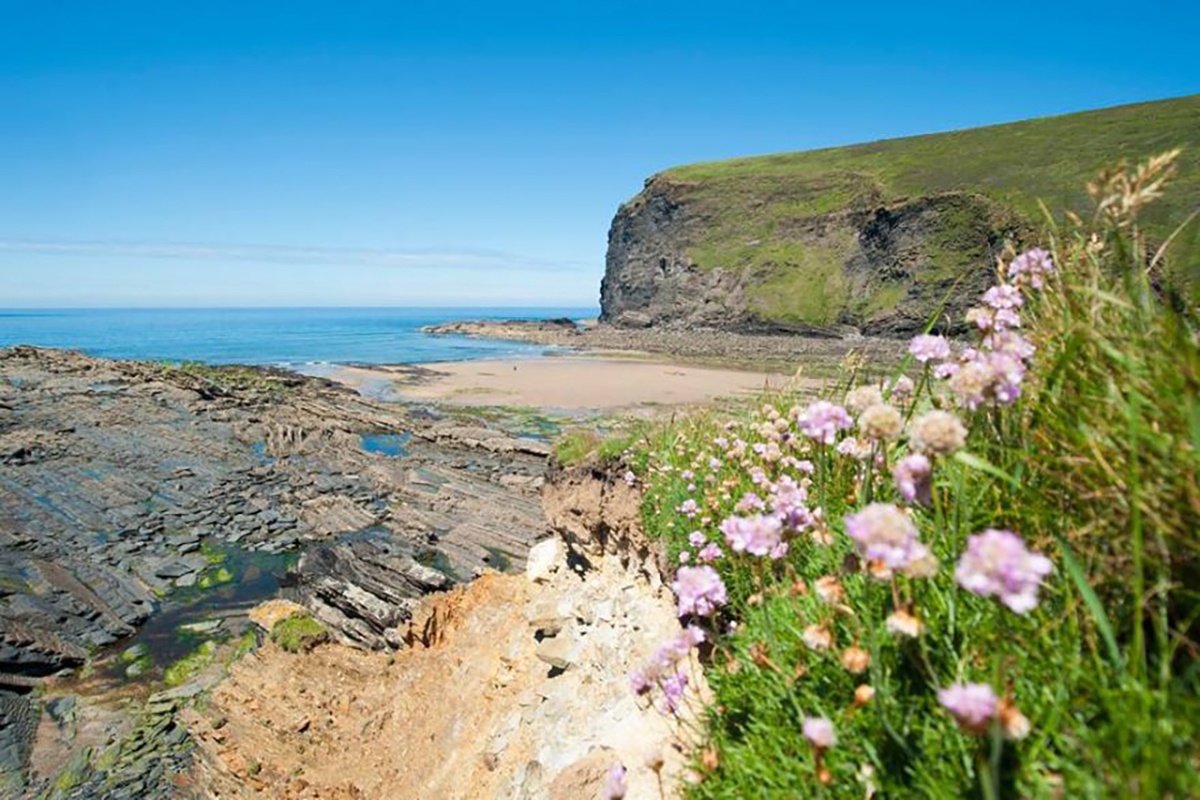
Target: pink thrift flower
903, 388
1007, 373
614, 786
709, 553
1003, 296
788, 500
972, 383
689, 508
696, 539
926, 348
1031, 267
757, 535
1011, 343
822, 420
750, 502
674, 687
997, 564
973, 705
885, 535
945, 370
698, 590
819, 732
694, 635
914, 478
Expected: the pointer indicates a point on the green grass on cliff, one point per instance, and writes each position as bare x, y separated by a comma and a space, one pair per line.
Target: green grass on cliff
1096, 465
753, 208
1018, 163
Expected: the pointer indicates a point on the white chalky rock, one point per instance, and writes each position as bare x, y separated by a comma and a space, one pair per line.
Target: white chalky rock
544, 559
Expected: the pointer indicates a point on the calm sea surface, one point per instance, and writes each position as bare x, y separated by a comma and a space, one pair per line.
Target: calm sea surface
281, 336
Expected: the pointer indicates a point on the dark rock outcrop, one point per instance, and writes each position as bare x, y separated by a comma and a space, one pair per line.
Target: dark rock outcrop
680, 257
363, 591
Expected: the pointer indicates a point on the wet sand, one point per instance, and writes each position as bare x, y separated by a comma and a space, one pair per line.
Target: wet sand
571, 384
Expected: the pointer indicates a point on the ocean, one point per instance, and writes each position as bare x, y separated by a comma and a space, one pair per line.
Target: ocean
287, 337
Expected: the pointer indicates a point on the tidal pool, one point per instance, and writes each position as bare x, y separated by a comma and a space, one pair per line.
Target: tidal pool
392, 445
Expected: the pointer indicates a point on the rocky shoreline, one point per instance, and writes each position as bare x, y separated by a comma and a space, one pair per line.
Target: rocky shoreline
125, 484
774, 352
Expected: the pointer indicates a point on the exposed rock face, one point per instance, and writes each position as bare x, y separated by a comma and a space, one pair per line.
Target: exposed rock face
115, 477
596, 512
513, 686
678, 257
363, 590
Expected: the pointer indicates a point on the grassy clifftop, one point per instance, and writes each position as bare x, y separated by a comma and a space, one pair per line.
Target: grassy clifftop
877, 235
1016, 163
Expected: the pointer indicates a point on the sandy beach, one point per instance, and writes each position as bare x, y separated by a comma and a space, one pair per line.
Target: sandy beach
569, 384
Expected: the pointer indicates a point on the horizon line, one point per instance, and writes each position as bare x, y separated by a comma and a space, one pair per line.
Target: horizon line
570, 306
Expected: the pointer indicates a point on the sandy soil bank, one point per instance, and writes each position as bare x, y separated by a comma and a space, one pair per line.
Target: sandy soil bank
573, 383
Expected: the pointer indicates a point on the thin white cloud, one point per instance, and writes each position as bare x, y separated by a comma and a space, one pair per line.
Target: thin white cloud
334, 256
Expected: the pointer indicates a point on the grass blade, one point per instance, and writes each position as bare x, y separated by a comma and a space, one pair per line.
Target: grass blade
1094, 607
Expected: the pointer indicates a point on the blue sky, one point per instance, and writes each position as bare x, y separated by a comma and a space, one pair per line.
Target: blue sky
443, 153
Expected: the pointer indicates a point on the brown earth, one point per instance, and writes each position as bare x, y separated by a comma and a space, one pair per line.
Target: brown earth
486, 703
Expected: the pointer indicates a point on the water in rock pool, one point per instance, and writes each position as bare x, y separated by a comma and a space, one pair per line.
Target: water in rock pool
211, 610
280, 336
393, 445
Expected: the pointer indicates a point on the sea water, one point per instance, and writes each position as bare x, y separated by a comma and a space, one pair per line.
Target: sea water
288, 337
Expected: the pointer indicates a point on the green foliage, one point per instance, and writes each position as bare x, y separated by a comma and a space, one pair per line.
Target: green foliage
800, 283
214, 576
213, 555
577, 445
1019, 163
298, 633
758, 213
228, 378
573, 447
1096, 466
190, 665
244, 645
